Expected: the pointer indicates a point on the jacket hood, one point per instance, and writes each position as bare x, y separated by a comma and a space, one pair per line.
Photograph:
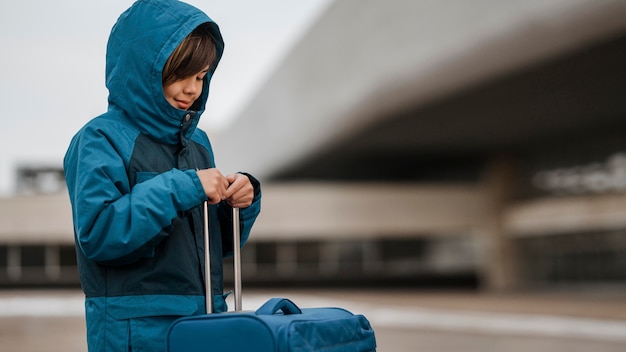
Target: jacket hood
140, 43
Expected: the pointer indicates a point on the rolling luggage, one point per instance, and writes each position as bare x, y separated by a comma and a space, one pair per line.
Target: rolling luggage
278, 325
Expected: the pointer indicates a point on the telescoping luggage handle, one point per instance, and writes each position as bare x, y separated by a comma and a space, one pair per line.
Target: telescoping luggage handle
236, 260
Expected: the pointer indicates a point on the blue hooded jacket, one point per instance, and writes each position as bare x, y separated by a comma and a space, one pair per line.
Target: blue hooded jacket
136, 198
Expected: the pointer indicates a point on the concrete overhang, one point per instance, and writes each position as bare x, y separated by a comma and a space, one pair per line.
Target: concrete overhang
372, 80
36, 220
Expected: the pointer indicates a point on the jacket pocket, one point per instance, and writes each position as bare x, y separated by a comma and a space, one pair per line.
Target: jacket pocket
145, 176
142, 322
149, 334
129, 307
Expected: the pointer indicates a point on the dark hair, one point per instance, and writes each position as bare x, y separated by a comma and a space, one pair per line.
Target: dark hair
193, 54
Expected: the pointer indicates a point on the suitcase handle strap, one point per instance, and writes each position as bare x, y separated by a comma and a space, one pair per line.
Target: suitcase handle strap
273, 305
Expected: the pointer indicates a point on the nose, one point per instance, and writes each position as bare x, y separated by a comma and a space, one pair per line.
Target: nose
190, 86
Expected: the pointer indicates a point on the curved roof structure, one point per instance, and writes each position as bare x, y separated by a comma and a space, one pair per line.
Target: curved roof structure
375, 86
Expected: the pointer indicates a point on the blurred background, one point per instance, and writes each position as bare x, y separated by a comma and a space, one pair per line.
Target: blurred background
472, 148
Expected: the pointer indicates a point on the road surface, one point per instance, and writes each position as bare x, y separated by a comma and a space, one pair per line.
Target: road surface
404, 320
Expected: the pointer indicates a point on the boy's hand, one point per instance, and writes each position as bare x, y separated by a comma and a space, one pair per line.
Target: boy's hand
240, 193
214, 184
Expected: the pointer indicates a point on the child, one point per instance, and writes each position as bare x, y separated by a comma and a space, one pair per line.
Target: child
139, 174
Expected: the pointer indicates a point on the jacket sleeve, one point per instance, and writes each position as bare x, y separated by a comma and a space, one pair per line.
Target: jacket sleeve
247, 217
112, 223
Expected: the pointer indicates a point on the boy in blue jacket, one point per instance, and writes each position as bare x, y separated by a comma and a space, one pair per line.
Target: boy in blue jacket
138, 175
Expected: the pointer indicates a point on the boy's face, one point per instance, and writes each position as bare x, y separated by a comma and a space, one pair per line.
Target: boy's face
183, 93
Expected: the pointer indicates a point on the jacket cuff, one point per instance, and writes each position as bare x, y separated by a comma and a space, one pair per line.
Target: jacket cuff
255, 183
193, 174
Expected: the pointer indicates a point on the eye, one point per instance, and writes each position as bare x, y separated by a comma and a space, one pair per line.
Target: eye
200, 75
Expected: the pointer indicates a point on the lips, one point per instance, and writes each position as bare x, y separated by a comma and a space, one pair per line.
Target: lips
182, 104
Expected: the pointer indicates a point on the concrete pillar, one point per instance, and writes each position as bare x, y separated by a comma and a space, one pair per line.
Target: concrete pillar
500, 272
14, 262
329, 259
286, 259
53, 262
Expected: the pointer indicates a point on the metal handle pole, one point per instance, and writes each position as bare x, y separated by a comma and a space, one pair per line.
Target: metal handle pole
237, 258
207, 262
236, 255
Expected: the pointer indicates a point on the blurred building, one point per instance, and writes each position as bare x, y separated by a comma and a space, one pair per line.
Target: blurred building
484, 135
408, 142
36, 236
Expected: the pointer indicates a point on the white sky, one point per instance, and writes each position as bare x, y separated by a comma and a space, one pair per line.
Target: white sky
52, 67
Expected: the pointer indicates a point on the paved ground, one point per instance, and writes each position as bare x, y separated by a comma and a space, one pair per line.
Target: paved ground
404, 321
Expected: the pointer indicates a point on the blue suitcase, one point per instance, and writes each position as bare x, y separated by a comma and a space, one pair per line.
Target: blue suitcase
279, 325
